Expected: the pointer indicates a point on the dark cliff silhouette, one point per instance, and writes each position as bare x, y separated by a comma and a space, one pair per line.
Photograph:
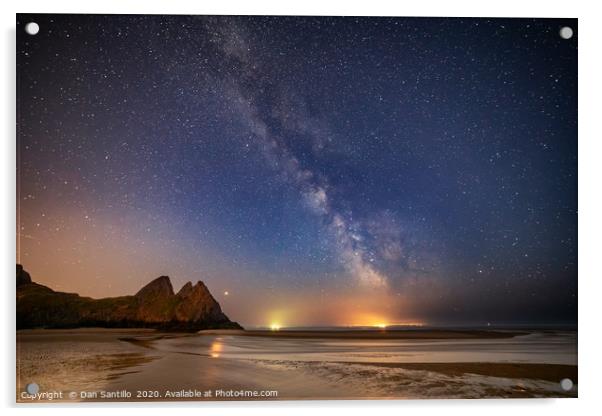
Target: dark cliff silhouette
154, 306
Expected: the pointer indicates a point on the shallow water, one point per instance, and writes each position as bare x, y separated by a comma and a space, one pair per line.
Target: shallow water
546, 348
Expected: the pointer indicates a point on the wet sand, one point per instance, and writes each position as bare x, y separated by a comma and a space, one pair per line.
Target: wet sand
290, 365
61, 359
547, 372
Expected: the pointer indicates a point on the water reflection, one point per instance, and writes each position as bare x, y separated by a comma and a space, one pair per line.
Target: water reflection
216, 348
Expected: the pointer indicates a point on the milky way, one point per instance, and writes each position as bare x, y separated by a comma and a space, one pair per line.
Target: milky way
318, 170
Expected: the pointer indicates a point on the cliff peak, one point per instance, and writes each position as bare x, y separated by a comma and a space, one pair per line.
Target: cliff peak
201, 286
23, 277
186, 290
159, 288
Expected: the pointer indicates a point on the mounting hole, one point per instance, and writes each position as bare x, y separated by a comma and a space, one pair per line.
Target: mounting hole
566, 32
32, 28
566, 384
32, 388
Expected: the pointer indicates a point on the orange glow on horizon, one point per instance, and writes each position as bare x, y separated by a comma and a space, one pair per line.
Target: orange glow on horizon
378, 321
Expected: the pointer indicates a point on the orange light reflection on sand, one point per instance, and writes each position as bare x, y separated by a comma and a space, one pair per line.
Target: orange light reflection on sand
216, 348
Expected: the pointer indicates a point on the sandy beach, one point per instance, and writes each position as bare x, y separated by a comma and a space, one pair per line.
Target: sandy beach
145, 365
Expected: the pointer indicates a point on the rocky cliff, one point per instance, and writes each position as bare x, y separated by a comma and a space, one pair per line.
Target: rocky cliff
154, 306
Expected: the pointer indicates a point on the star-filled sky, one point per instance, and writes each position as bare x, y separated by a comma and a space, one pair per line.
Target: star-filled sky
311, 170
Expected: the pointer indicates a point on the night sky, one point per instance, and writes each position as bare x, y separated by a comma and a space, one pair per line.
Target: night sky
320, 171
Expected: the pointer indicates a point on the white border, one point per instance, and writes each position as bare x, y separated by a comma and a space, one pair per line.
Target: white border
590, 206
